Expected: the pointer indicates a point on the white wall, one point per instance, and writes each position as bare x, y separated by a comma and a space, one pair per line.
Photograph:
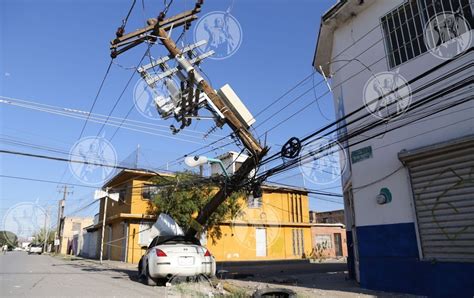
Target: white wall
386, 148
89, 247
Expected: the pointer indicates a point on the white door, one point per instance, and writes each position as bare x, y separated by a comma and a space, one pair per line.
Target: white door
261, 242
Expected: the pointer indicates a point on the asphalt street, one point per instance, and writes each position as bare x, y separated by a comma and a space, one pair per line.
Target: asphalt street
23, 275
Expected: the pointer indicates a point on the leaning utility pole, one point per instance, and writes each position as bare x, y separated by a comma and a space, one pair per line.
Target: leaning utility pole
157, 29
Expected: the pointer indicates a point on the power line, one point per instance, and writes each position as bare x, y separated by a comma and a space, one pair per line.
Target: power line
44, 181
284, 167
96, 97
361, 108
314, 85
327, 92
129, 126
437, 95
78, 114
117, 101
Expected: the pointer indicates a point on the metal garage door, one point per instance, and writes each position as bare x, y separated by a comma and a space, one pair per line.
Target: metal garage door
442, 178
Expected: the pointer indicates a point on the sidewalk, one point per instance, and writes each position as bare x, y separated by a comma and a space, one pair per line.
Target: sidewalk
327, 279
105, 263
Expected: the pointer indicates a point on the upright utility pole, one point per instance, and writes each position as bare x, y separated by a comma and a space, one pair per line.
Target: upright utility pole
61, 206
104, 218
157, 29
45, 228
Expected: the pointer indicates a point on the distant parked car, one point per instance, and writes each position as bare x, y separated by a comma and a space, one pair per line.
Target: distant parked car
171, 256
35, 249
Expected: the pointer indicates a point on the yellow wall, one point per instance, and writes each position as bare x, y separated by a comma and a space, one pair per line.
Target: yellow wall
139, 204
281, 212
116, 242
135, 252
134, 203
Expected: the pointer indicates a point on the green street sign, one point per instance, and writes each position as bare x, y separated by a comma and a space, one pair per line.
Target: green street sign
361, 154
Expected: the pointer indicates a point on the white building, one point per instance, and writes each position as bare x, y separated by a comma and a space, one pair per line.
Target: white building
408, 190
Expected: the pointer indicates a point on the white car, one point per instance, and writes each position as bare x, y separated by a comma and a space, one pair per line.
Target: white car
171, 256
35, 249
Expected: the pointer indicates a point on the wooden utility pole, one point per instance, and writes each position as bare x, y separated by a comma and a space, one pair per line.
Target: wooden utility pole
46, 229
104, 218
61, 206
158, 29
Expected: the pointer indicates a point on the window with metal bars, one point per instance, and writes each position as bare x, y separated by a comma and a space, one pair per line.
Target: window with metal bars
403, 27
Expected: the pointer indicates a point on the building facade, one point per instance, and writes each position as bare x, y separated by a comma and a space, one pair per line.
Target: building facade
334, 217
128, 219
329, 239
273, 227
405, 67
72, 234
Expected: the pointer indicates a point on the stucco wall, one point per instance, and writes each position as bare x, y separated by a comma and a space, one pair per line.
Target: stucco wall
386, 234
330, 231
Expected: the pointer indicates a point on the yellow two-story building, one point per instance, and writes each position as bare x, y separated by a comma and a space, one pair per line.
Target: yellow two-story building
273, 227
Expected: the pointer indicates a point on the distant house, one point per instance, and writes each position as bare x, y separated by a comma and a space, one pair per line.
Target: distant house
330, 238
329, 232
335, 217
71, 240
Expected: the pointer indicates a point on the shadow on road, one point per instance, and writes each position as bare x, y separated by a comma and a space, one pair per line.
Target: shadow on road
93, 267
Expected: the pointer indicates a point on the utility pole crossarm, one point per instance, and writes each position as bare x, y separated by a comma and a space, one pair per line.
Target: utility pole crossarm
150, 32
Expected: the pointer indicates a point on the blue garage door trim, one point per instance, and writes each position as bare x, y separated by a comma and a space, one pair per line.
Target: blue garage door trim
389, 262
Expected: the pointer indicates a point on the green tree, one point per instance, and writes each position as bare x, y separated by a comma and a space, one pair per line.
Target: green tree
182, 199
8, 238
42, 234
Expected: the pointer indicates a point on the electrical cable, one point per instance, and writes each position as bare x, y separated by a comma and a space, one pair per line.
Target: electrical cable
437, 95
96, 97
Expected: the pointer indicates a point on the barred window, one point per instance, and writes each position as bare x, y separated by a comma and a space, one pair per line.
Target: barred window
404, 26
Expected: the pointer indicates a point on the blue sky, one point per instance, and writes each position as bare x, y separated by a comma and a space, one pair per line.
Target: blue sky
56, 53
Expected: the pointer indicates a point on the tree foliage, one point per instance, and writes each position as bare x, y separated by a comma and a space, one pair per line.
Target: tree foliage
183, 200
8, 238
42, 234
